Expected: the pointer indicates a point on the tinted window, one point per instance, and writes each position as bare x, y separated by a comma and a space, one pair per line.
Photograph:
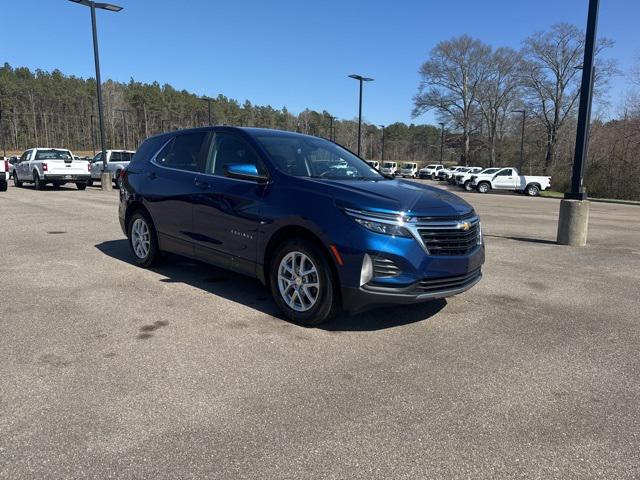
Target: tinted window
229, 149
53, 155
505, 173
183, 152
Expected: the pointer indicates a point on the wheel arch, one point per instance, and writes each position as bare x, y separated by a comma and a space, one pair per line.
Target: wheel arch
133, 208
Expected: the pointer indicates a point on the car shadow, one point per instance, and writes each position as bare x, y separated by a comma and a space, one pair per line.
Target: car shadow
250, 292
523, 239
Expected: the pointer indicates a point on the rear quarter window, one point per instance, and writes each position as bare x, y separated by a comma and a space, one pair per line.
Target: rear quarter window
148, 148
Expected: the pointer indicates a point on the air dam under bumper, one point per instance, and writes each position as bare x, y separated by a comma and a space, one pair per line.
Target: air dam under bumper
359, 299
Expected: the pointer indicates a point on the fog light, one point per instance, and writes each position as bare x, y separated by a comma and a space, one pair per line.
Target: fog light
366, 273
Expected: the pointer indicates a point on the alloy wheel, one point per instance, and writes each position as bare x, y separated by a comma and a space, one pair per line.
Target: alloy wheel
140, 238
298, 281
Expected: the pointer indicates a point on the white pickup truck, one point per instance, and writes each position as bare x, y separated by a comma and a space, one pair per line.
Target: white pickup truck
409, 169
117, 160
50, 165
4, 174
510, 179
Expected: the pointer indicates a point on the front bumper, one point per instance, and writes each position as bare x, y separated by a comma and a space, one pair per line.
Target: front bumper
66, 178
359, 299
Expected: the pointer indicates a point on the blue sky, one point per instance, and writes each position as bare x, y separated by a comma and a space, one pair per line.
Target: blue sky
290, 53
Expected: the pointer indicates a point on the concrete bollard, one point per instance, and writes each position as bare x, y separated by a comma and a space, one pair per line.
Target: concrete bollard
573, 223
106, 180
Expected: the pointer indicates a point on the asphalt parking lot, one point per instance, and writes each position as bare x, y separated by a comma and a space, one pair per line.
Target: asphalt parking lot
185, 371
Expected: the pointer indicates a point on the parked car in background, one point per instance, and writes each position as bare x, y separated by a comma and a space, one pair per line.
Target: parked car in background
117, 161
265, 203
445, 173
464, 179
461, 171
4, 174
56, 166
409, 169
510, 179
430, 170
374, 164
389, 168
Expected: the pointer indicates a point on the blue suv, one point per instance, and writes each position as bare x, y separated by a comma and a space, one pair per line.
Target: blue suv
304, 215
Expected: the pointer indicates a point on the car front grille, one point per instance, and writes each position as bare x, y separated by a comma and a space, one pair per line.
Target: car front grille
450, 237
434, 285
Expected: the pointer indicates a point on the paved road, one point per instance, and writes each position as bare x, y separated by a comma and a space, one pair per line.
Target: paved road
111, 371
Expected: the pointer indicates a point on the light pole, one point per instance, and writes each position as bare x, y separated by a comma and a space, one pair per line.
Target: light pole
1, 136
524, 117
208, 100
574, 208
360, 79
382, 126
105, 178
441, 141
331, 135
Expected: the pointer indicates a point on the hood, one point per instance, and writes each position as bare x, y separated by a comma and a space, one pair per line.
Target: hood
393, 196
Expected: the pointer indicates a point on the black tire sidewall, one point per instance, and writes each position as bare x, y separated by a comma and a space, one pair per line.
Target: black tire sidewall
326, 305
154, 253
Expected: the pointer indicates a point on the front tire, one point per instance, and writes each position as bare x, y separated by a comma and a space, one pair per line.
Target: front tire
467, 186
143, 240
302, 283
90, 182
81, 185
483, 187
16, 182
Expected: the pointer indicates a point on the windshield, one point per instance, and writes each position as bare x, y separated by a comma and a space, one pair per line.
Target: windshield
407, 165
53, 155
388, 164
490, 170
315, 158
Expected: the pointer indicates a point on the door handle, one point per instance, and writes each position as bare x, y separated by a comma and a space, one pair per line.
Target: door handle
200, 184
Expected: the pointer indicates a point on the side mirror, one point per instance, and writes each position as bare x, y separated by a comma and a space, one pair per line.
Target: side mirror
245, 171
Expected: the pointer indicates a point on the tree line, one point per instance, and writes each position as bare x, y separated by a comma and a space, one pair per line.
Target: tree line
486, 93
481, 95
54, 109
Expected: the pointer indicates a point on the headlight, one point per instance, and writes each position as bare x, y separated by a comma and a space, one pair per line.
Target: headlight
384, 228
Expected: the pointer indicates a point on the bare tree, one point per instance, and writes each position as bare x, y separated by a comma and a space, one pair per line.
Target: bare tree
450, 83
498, 92
551, 78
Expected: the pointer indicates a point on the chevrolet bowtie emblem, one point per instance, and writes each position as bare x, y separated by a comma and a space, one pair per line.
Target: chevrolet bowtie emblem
464, 226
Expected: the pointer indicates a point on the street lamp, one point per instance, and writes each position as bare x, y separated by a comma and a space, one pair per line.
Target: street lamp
331, 135
105, 178
574, 208
441, 141
524, 117
208, 100
382, 126
360, 79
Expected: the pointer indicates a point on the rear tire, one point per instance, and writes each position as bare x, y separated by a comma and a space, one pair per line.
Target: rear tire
116, 179
143, 240
81, 185
484, 187
90, 182
37, 182
532, 190
313, 304
3, 186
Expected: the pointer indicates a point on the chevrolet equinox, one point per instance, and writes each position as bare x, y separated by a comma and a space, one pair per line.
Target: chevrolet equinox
304, 215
